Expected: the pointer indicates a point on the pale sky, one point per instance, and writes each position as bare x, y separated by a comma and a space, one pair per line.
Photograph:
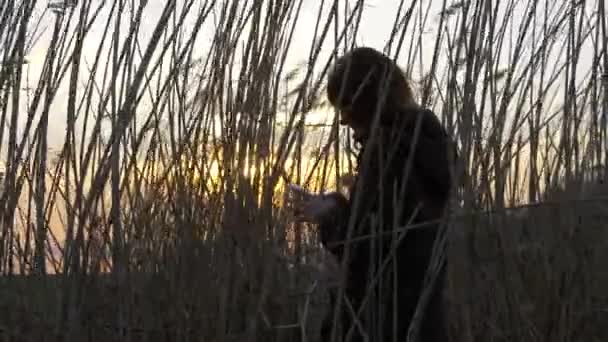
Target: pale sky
375, 28
377, 22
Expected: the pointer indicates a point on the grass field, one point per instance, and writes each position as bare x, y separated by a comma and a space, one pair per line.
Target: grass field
525, 285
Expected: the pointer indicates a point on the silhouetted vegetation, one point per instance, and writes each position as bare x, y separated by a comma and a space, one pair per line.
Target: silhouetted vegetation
145, 146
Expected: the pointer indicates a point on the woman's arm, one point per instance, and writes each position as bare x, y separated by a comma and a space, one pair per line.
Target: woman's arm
334, 226
429, 180
435, 153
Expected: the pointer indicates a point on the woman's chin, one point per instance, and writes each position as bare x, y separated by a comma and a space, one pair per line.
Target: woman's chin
359, 137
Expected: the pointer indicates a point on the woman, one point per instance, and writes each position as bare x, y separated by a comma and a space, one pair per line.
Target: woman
403, 179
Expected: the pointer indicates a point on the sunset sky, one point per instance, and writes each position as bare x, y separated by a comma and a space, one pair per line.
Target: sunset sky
375, 27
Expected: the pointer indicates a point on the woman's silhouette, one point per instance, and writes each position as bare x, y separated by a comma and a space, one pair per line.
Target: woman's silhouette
403, 179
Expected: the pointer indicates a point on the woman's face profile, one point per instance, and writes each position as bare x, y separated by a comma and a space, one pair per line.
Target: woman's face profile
346, 119
345, 116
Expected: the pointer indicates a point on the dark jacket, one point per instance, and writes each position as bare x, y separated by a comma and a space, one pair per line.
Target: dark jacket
403, 178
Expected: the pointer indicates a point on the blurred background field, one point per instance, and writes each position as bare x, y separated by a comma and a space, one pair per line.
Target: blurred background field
145, 147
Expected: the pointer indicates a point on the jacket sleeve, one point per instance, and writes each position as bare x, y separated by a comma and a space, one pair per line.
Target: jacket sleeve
333, 228
371, 194
429, 180
435, 154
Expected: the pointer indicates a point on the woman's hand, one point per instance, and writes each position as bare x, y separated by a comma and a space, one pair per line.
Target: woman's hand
315, 208
309, 207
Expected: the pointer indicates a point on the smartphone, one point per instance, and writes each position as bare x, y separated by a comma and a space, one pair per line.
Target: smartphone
299, 192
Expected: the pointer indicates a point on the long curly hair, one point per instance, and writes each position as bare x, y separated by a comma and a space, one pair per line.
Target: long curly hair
365, 80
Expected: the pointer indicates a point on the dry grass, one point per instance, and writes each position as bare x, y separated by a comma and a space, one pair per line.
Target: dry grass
145, 147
